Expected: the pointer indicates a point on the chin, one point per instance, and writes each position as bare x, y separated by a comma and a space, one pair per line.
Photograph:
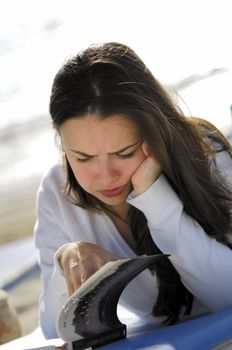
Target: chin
114, 200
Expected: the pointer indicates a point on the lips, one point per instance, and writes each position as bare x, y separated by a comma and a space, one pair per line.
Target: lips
113, 192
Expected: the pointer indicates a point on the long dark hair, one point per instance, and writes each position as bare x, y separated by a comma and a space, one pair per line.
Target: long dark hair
110, 79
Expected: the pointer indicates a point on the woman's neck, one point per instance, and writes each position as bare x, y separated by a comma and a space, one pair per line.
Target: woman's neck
121, 210
119, 217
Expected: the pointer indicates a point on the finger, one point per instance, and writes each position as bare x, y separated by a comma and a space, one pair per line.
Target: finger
99, 262
72, 264
71, 275
86, 269
69, 282
84, 277
75, 275
145, 149
80, 272
71, 288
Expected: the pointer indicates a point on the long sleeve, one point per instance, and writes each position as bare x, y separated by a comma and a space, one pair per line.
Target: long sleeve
203, 263
49, 236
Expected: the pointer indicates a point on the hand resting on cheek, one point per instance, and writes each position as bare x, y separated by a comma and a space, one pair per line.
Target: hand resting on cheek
146, 173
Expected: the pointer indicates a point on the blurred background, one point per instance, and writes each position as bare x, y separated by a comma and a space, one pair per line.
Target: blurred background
186, 44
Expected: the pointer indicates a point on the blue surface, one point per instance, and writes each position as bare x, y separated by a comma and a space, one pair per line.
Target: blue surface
202, 333
18, 262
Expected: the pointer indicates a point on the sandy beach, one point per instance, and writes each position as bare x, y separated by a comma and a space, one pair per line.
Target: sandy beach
19, 181
25, 300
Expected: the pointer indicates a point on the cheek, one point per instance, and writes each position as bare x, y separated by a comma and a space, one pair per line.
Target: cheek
82, 175
134, 163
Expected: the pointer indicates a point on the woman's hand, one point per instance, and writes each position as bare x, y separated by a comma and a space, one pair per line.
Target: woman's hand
146, 173
80, 260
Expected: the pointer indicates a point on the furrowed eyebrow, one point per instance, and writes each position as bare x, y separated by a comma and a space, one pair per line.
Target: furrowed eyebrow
116, 152
126, 148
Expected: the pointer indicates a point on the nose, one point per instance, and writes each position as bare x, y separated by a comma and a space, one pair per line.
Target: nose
107, 173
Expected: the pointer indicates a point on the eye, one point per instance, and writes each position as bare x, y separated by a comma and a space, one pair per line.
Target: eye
82, 160
128, 155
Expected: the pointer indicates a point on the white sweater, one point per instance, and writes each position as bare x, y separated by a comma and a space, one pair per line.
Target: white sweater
204, 264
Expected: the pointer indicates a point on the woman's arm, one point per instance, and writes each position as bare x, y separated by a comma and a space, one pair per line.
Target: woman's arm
203, 263
49, 237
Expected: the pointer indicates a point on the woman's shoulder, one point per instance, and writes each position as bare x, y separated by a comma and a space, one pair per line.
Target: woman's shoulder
223, 163
54, 175
52, 184
222, 160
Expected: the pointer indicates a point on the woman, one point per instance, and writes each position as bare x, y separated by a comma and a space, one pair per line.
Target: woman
140, 179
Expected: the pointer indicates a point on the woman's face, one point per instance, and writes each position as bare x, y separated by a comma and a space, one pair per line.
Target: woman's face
103, 154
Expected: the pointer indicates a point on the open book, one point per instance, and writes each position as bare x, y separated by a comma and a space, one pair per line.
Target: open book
89, 317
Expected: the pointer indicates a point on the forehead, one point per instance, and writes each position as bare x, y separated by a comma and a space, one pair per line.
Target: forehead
92, 131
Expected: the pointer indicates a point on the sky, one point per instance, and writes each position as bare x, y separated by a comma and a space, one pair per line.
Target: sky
175, 38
